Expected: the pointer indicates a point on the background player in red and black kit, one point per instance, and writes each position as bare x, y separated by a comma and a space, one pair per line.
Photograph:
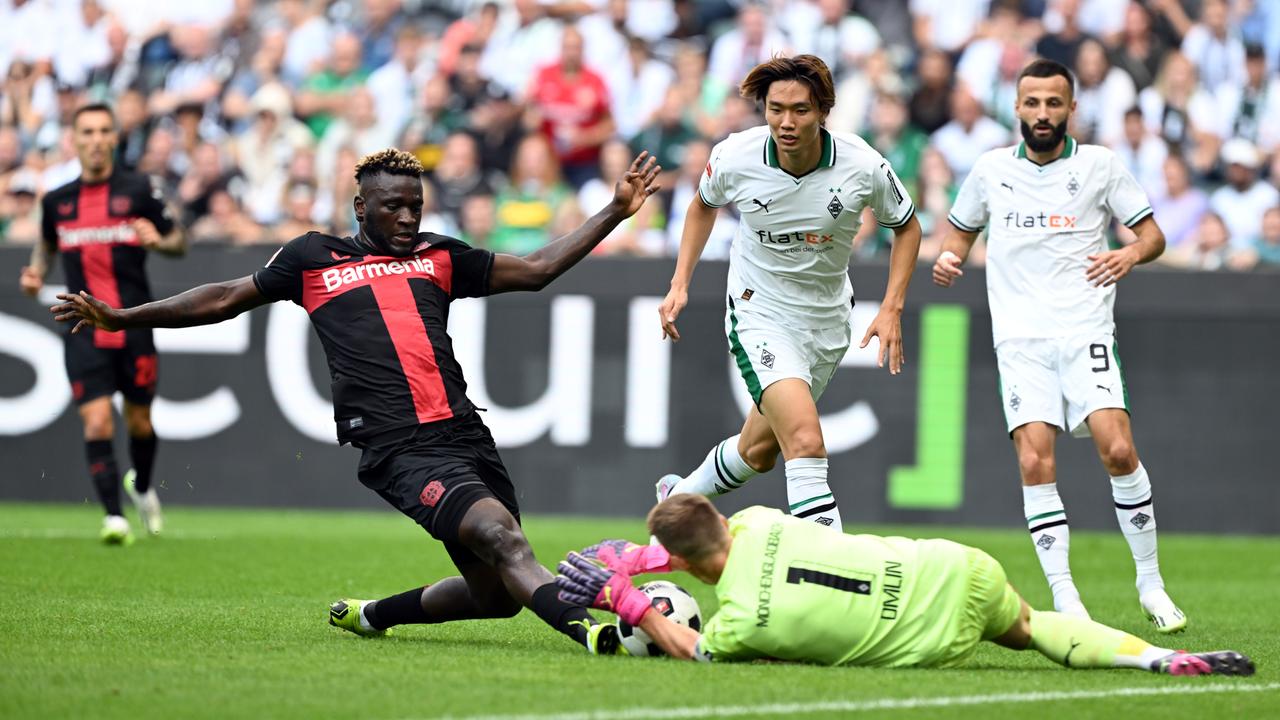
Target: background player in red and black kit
103, 223
380, 303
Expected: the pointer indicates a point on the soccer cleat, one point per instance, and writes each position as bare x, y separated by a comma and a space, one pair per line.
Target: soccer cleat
147, 503
1219, 662
345, 614
1162, 613
115, 530
664, 486
603, 639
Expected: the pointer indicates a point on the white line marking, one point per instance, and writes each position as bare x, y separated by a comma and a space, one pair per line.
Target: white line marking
63, 534
785, 709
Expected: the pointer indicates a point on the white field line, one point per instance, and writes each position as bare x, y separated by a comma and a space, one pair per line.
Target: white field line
64, 534
785, 709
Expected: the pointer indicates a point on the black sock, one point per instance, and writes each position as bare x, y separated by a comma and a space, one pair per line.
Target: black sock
106, 479
142, 451
402, 609
568, 619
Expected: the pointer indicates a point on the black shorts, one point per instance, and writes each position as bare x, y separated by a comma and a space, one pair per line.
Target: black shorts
436, 473
96, 372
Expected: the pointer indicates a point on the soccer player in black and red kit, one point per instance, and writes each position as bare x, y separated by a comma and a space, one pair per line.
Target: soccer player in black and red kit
380, 302
102, 224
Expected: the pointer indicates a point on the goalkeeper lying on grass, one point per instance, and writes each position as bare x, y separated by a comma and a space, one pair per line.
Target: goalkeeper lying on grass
792, 590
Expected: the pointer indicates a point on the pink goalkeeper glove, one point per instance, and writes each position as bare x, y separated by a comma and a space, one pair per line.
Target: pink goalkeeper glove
629, 558
583, 582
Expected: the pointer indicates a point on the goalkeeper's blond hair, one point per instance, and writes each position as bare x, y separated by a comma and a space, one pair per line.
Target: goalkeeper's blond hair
391, 162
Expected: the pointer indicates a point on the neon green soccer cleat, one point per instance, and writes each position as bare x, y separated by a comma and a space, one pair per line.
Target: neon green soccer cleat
345, 614
115, 531
1160, 610
603, 639
147, 503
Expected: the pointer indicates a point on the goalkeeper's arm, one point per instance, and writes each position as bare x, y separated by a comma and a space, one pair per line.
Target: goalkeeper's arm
675, 640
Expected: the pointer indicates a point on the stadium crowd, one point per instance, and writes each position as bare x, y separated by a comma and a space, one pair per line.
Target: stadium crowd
252, 114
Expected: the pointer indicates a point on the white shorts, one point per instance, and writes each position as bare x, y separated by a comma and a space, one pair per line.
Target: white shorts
1060, 381
767, 351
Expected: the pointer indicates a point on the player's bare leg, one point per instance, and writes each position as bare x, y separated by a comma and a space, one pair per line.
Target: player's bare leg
99, 428
142, 453
1046, 516
792, 414
1131, 490
730, 463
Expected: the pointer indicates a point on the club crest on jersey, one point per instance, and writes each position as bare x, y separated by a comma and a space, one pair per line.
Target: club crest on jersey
432, 493
767, 358
1073, 185
121, 205
66, 208
835, 207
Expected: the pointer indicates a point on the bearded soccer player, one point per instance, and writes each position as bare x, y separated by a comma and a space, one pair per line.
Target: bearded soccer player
379, 302
800, 191
103, 224
1051, 283
788, 590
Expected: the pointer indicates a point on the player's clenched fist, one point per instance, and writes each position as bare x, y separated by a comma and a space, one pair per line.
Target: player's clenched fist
947, 269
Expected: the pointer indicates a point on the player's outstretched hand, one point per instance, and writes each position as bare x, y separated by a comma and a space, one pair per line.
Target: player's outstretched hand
585, 583
669, 310
629, 558
86, 311
1108, 267
636, 184
888, 327
946, 269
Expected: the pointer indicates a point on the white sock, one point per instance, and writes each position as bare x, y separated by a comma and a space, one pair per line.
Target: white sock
364, 621
1047, 521
721, 472
1137, 518
808, 494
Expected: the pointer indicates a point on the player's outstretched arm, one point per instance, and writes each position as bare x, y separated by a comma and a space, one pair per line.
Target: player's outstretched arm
1108, 267
537, 269
887, 324
675, 639
956, 244
698, 222
204, 305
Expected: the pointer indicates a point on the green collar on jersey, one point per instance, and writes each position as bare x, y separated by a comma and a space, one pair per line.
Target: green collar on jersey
1068, 149
828, 152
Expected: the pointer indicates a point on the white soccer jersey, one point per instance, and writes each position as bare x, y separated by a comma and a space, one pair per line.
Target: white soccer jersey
1043, 221
790, 257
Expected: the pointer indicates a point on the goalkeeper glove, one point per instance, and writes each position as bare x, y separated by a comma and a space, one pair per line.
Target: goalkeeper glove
629, 558
585, 583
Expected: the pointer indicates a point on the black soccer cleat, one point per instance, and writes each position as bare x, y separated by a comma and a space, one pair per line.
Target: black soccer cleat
1218, 662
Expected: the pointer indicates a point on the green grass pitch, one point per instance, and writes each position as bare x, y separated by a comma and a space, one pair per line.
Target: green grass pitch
226, 616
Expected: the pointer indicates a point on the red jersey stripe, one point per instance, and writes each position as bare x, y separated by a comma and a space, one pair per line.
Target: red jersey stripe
99, 268
417, 357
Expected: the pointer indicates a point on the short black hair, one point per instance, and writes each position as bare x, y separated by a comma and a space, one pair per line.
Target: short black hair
390, 162
1131, 112
1045, 68
93, 107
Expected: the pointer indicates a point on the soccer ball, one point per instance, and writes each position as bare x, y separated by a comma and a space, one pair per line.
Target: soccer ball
669, 599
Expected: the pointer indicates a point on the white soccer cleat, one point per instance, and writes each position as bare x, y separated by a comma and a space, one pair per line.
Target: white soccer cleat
1160, 610
147, 503
115, 530
665, 485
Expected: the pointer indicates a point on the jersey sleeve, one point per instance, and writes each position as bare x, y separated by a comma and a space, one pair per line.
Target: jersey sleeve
969, 212
153, 207
471, 268
713, 186
48, 224
890, 202
1126, 199
281, 277
724, 639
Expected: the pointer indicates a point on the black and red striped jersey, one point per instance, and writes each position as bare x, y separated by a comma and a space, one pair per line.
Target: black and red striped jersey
382, 322
91, 225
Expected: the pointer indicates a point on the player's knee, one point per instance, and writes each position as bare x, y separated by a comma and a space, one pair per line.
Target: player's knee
1037, 468
98, 427
139, 425
806, 442
498, 544
1119, 457
761, 456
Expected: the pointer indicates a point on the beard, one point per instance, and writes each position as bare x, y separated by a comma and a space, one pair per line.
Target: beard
1038, 144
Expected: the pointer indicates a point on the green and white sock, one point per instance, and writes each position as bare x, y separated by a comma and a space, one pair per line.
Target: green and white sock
1047, 522
808, 494
722, 471
1136, 514
1079, 643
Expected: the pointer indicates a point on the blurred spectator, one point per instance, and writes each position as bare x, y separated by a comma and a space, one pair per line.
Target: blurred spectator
1267, 251
1210, 249
1180, 209
1241, 202
679, 193
856, 95
226, 222
82, 43
596, 193
570, 104
458, 175
842, 38
432, 122
754, 40
241, 36
901, 143
1260, 25
527, 207
478, 221
989, 65
1063, 36
473, 29
667, 135
156, 159
434, 221
1182, 112
27, 99
264, 68
197, 78
265, 149
968, 135
310, 39
1214, 47
1143, 154
638, 88
207, 175
931, 102
19, 212
325, 94
1103, 94
1140, 50
299, 208
357, 130
937, 190
132, 128
892, 20
524, 40
393, 83
947, 25
1172, 18
1252, 110
378, 27
1103, 19
10, 150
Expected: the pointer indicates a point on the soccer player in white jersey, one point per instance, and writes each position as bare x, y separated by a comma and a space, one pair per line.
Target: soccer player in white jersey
800, 191
1046, 204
